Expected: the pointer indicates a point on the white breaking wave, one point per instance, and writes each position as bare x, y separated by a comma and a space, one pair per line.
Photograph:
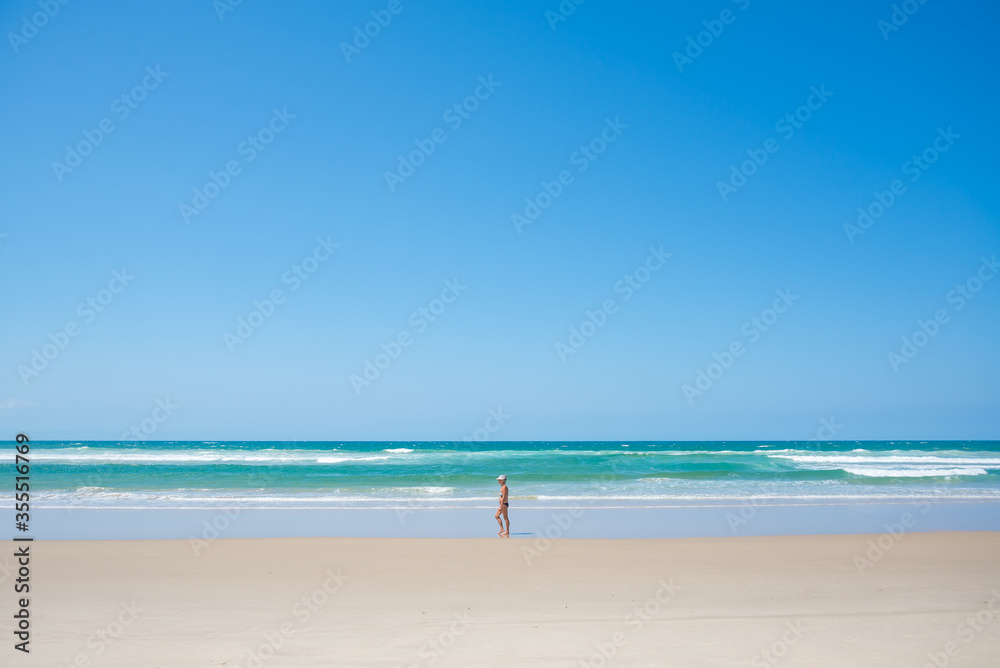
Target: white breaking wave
337, 460
888, 459
203, 456
151, 456
901, 465
777, 496
440, 497
876, 472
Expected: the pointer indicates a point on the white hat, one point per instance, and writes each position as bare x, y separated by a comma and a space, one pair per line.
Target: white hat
501, 477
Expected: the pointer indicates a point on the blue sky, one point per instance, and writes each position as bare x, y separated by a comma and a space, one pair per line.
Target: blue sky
279, 74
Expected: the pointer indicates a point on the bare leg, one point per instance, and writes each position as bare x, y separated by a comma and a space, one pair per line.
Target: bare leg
504, 532
499, 521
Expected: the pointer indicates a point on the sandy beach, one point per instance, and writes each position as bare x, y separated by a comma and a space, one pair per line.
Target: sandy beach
757, 601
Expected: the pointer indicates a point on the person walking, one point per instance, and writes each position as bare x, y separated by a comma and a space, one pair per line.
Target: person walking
502, 510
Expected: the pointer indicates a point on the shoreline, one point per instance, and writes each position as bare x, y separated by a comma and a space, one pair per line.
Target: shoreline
748, 519
795, 600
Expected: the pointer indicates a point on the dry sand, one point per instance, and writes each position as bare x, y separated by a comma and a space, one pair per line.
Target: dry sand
473, 602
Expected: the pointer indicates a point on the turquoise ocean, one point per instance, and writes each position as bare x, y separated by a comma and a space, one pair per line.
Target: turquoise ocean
429, 475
